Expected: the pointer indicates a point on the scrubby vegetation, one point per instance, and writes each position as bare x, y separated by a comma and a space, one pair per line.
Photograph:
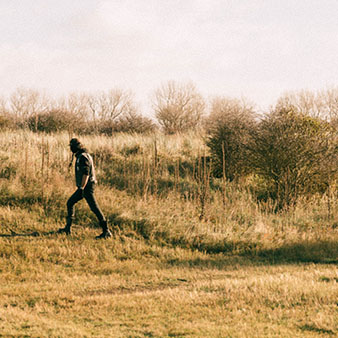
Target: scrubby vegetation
192, 255
228, 228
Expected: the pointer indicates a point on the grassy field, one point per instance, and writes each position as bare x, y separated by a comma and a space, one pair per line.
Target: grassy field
189, 257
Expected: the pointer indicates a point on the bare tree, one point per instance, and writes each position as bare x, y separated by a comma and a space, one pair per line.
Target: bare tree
319, 104
25, 103
6, 120
106, 107
76, 104
330, 101
3, 106
178, 107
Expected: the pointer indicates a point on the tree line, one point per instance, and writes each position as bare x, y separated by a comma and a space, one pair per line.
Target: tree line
291, 150
176, 107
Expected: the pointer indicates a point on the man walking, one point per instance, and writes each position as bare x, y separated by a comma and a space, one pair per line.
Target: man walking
85, 182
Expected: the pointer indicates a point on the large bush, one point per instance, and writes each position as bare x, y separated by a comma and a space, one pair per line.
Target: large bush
228, 128
7, 121
128, 123
54, 121
295, 154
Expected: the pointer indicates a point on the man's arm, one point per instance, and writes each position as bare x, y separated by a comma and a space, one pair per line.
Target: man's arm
84, 165
84, 181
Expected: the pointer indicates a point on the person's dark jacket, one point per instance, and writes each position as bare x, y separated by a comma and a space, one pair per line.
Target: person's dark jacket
84, 166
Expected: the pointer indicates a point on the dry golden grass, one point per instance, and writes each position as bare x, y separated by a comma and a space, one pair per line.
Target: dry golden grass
60, 287
238, 272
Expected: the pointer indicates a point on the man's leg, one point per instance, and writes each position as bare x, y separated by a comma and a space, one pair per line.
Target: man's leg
94, 207
77, 196
91, 200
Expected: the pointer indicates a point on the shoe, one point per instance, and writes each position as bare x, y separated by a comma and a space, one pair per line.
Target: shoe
65, 230
105, 234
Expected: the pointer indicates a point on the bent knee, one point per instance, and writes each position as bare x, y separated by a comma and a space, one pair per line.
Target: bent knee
70, 203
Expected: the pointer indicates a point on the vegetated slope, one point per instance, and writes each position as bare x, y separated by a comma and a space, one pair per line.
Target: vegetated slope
191, 256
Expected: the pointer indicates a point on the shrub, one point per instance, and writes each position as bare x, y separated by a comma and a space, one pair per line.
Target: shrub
228, 129
292, 152
55, 121
7, 122
128, 123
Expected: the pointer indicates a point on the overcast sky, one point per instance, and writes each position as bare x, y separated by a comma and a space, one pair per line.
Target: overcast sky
257, 49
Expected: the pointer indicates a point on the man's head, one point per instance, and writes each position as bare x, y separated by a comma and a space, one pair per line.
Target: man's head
75, 145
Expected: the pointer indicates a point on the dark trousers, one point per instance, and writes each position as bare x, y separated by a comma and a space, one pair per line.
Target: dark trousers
88, 194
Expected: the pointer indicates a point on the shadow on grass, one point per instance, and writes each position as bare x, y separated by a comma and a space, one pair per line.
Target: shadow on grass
318, 252
315, 329
140, 229
218, 253
130, 227
28, 234
324, 252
